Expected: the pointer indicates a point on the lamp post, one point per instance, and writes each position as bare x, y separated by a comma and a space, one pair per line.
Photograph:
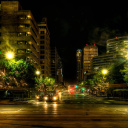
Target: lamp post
104, 72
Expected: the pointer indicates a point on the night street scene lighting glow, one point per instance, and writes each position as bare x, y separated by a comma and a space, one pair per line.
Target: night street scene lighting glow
9, 55
63, 64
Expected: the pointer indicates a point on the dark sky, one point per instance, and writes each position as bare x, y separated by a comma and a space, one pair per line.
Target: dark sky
75, 23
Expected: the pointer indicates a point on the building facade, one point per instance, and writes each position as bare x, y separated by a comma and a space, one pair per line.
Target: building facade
54, 62
19, 32
56, 66
118, 45
102, 61
44, 48
116, 49
79, 65
89, 52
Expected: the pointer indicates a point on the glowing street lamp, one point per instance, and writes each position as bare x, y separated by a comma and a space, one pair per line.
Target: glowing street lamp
9, 55
37, 72
104, 71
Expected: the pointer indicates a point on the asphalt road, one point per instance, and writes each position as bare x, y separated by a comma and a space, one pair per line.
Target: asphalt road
89, 114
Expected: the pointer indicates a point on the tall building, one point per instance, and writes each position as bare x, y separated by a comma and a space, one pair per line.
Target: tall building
56, 66
54, 62
118, 45
44, 48
102, 61
89, 52
116, 49
60, 71
79, 65
19, 32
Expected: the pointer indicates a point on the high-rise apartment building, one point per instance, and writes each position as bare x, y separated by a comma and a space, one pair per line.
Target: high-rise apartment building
102, 61
89, 52
19, 32
118, 45
54, 62
56, 65
79, 65
60, 75
60, 71
44, 48
116, 48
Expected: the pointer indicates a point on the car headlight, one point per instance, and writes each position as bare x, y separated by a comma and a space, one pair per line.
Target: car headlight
54, 98
37, 97
45, 98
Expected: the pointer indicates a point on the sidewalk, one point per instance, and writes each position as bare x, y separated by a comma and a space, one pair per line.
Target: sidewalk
111, 100
8, 102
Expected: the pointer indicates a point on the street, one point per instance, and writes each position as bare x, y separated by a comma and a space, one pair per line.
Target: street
64, 114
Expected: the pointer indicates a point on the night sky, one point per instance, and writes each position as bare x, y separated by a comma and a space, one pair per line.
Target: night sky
74, 24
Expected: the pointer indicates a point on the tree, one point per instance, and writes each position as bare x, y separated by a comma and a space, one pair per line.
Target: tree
116, 73
125, 72
45, 83
18, 73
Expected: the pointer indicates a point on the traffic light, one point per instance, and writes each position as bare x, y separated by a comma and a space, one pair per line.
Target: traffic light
76, 86
83, 89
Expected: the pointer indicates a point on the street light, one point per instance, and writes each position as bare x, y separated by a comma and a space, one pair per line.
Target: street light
37, 72
9, 55
104, 71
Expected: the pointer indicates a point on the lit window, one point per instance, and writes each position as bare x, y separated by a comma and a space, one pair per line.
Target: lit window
20, 51
21, 42
28, 51
29, 17
28, 34
21, 34
22, 17
21, 26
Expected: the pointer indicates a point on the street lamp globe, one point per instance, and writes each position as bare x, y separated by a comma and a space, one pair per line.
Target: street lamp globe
104, 71
9, 55
37, 72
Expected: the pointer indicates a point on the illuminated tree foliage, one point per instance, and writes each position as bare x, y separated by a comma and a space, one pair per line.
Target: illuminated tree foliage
125, 72
45, 83
17, 73
115, 76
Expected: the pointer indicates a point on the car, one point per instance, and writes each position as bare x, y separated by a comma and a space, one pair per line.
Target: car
49, 96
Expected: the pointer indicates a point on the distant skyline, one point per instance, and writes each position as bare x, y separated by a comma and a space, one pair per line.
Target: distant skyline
73, 24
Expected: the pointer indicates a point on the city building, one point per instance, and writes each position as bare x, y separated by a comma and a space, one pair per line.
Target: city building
118, 45
60, 71
44, 48
89, 52
116, 49
19, 32
102, 61
56, 66
54, 62
79, 65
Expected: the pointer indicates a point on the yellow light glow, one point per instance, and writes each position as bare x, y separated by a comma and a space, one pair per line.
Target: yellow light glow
104, 71
9, 55
38, 72
46, 98
54, 98
37, 97
28, 16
